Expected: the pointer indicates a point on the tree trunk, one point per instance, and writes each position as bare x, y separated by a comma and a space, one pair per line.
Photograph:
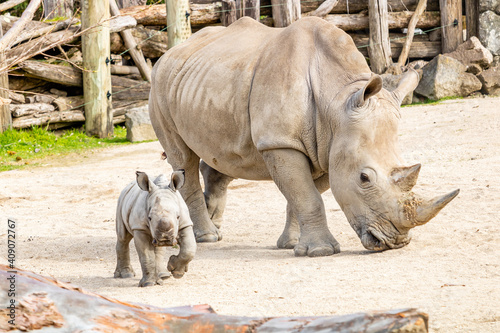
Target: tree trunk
129, 3
57, 8
97, 77
250, 8
228, 14
285, 12
451, 20
178, 22
472, 18
380, 48
98, 313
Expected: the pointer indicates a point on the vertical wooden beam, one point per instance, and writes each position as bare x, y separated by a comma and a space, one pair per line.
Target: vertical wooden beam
97, 73
451, 20
228, 14
251, 8
57, 8
5, 114
178, 24
472, 18
285, 12
380, 47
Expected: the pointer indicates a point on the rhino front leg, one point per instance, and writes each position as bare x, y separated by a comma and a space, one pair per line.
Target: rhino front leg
291, 234
147, 258
161, 267
178, 264
123, 268
215, 192
290, 170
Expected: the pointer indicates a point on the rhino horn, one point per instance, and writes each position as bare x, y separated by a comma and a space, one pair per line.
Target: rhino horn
430, 209
406, 85
405, 177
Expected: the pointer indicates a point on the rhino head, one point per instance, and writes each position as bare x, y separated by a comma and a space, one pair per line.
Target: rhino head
163, 211
367, 177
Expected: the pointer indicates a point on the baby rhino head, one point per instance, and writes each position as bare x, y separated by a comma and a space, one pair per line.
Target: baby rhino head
162, 206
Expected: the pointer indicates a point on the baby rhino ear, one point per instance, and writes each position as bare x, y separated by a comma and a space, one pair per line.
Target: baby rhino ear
143, 181
177, 180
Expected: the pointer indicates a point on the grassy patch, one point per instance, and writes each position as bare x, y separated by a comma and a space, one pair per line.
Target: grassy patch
433, 102
27, 147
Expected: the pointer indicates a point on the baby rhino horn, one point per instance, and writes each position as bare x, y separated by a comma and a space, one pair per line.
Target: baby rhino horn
406, 177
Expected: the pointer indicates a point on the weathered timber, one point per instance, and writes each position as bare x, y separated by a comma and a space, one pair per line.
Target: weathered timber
64, 75
9, 4
201, 15
121, 107
153, 44
124, 70
411, 30
131, 46
250, 8
356, 6
29, 49
130, 90
5, 115
324, 9
19, 25
379, 48
57, 8
44, 119
31, 109
179, 24
420, 48
472, 18
228, 14
285, 12
451, 19
17, 98
129, 3
97, 79
120, 23
397, 20
93, 312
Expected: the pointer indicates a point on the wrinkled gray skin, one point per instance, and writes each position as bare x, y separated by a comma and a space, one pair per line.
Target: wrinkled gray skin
297, 105
154, 213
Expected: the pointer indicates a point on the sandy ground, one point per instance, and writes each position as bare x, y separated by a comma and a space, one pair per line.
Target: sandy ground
65, 215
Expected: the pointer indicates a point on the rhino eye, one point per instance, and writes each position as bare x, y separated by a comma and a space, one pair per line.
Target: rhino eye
364, 178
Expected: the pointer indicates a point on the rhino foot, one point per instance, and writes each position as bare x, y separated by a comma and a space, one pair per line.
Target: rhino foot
317, 249
287, 242
124, 273
164, 275
208, 237
150, 283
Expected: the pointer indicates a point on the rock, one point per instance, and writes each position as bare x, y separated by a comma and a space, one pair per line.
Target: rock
391, 81
472, 52
489, 31
496, 61
493, 5
138, 125
474, 69
490, 79
445, 77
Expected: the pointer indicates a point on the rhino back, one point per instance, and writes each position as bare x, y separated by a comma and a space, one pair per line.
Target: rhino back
131, 208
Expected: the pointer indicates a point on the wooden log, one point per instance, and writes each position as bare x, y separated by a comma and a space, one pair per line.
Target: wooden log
324, 9
104, 314
228, 14
250, 8
97, 79
178, 22
451, 19
130, 90
5, 115
152, 43
9, 4
124, 70
419, 48
205, 14
13, 32
64, 75
129, 3
131, 45
472, 18
57, 8
411, 30
356, 6
379, 48
398, 20
44, 119
17, 98
31, 109
285, 12
120, 23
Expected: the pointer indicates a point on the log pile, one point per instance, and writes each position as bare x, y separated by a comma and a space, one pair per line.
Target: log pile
46, 303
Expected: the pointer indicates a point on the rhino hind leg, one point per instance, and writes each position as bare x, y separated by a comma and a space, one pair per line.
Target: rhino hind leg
215, 194
123, 268
296, 184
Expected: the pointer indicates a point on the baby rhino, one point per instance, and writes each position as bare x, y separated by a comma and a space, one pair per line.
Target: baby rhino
154, 213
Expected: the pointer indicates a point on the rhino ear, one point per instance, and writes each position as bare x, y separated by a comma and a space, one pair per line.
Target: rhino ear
372, 87
143, 181
407, 84
177, 180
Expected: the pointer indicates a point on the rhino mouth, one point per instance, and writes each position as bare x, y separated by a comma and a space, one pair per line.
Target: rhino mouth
372, 240
166, 242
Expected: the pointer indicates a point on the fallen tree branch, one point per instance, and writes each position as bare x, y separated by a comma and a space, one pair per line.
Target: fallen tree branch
16, 29
324, 9
411, 30
9, 4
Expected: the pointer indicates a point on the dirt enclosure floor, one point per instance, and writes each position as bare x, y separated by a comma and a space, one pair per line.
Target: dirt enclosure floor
65, 214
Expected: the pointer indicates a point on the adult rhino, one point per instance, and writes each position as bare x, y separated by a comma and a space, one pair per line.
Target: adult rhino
298, 105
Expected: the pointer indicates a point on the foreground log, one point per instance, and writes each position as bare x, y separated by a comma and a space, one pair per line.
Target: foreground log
397, 20
44, 302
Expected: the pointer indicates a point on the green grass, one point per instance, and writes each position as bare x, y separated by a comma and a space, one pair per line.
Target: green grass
19, 148
433, 102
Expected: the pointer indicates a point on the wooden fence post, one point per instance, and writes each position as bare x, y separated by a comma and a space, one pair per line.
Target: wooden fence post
97, 73
285, 12
178, 23
228, 14
472, 18
452, 34
379, 48
251, 8
5, 115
